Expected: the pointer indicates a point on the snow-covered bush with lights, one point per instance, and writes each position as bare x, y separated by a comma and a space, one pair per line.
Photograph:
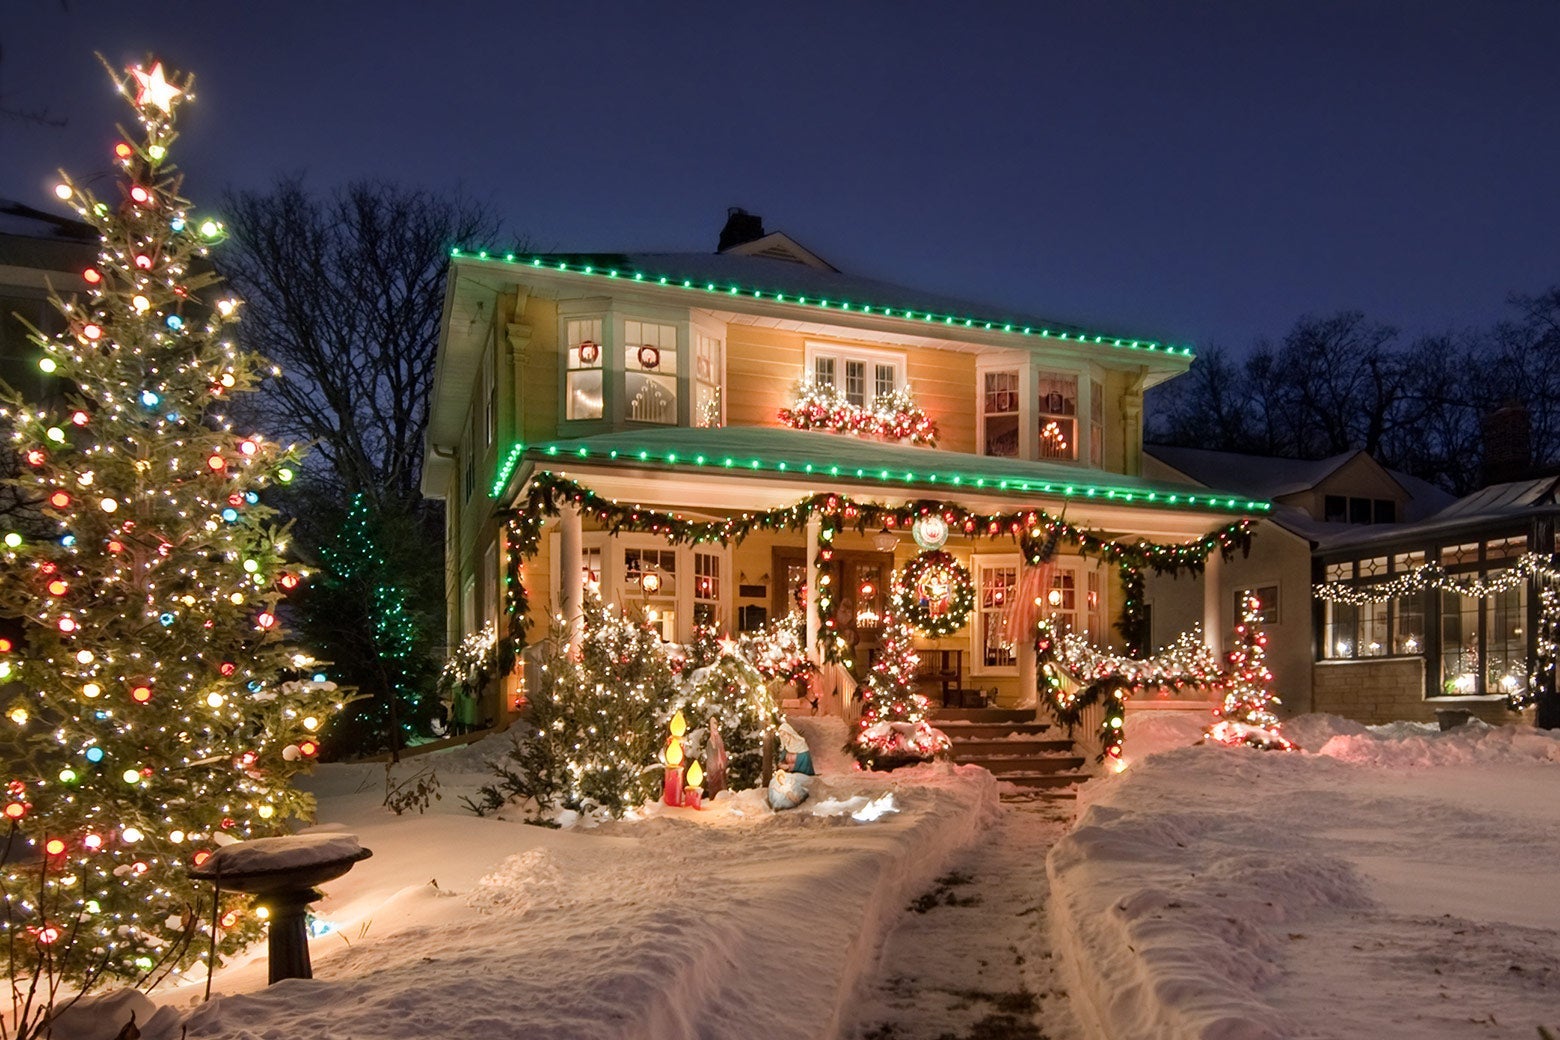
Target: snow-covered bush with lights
731, 691
151, 711
893, 730
597, 709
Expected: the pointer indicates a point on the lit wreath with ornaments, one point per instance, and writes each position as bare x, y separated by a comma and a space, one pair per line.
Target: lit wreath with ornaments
938, 593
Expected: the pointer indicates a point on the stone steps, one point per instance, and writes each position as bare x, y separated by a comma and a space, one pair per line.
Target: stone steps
1019, 750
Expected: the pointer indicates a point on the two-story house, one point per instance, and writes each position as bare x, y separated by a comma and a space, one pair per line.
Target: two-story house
656, 382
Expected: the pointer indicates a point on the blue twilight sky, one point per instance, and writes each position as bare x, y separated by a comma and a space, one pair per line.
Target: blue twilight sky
1192, 171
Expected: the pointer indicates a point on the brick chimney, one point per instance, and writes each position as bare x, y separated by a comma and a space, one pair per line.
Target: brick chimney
1508, 444
741, 226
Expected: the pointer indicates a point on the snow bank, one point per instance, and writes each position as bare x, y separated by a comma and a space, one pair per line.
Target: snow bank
1393, 885
732, 921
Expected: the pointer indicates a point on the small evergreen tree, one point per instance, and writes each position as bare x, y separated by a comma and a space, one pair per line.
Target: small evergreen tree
893, 729
598, 708
1247, 717
150, 712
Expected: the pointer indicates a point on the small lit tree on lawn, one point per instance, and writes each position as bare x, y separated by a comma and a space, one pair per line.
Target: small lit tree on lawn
893, 730
1246, 716
150, 717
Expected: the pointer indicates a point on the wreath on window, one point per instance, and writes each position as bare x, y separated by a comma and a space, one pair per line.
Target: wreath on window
589, 352
649, 357
938, 593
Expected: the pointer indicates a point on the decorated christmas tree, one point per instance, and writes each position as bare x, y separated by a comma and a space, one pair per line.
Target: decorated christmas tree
893, 730
599, 709
154, 709
1246, 716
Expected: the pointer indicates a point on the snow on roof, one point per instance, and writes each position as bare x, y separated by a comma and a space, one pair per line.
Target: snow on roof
1492, 505
32, 238
739, 274
1263, 476
812, 454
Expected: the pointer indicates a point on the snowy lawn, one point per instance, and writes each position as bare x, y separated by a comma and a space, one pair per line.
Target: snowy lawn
733, 921
1393, 882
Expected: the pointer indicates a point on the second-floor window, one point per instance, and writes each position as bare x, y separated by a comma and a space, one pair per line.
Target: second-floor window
709, 365
863, 375
650, 372
1057, 415
1000, 413
583, 385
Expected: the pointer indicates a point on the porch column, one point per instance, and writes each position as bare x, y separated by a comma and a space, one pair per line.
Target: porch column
571, 563
1213, 603
814, 526
1024, 646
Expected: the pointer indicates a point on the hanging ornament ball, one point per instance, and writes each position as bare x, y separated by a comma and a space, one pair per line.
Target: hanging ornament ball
91, 276
109, 505
167, 620
227, 668
54, 847
308, 748
36, 457
80, 418
285, 475
141, 693
265, 621
67, 625
216, 463
176, 225
143, 262
156, 152
291, 753
230, 514
58, 587
150, 399
930, 532
140, 194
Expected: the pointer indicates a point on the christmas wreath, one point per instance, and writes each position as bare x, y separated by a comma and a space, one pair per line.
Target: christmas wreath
938, 593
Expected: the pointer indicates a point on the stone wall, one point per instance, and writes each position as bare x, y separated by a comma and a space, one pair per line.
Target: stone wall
1390, 689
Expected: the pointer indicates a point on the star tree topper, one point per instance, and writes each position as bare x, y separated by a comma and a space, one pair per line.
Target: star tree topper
155, 90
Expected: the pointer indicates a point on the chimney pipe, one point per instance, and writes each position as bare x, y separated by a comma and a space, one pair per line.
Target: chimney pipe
1508, 444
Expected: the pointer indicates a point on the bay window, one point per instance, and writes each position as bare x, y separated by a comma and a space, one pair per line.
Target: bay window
650, 372
583, 384
1057, 415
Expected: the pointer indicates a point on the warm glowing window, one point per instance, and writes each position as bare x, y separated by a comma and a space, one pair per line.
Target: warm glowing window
650, 372
1000, 413
996, 586
1057, 415
709, 366
583, 385
863, 375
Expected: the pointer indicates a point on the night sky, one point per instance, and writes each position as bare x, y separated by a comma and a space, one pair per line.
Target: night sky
1191, 171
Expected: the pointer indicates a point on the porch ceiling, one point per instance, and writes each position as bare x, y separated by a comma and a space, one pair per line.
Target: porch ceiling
737, 469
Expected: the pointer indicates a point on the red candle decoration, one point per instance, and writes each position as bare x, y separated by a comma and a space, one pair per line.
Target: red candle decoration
672, 786
693, 794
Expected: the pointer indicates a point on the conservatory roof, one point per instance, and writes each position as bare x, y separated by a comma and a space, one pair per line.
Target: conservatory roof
816, 457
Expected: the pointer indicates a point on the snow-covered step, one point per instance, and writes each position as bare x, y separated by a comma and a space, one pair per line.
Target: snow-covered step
1026, 765
1021, 745
954, 715
959, 731
1050, 783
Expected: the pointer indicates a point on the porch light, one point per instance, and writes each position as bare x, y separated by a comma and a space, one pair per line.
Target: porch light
650, 582
885, 541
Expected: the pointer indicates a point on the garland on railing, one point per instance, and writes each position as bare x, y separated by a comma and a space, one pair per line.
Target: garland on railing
1529, 566
1037, 531
895, 415
1109, 679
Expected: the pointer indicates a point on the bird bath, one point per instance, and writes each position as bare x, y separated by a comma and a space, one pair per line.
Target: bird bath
282, 873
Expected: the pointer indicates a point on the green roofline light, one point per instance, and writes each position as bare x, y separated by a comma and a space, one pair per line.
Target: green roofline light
674, 282
1127, 495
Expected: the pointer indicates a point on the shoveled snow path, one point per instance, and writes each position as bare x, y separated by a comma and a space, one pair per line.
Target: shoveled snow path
970, 958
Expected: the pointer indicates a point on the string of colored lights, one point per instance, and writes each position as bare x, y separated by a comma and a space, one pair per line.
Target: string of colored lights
929, 476
895, 415
924, 316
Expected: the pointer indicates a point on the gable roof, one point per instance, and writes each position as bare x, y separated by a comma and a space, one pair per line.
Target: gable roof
777, 245
735, 274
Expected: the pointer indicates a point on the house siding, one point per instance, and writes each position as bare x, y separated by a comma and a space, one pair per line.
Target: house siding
1393, 689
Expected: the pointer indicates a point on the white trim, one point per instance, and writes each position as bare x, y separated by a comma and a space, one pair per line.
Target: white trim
870, 356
